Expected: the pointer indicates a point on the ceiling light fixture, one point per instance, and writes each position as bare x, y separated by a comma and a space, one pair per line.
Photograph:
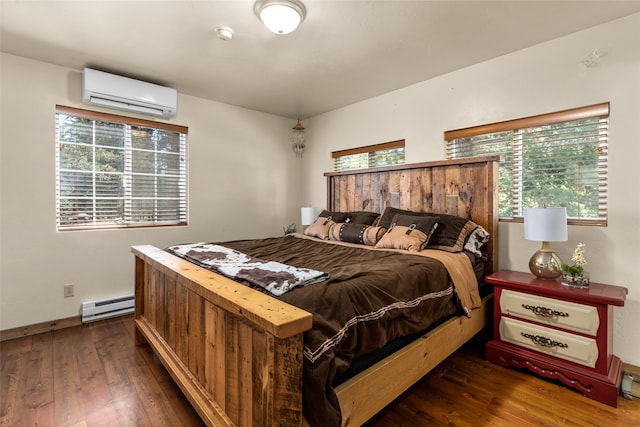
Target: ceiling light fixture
280, 16
298, 139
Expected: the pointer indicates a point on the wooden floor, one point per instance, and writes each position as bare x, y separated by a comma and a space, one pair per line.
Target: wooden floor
93, 375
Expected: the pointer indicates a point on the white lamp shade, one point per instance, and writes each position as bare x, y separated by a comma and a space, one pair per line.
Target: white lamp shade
545, 224
309, 215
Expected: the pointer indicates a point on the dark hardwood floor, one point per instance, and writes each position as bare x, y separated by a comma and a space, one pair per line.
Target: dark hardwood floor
93, 375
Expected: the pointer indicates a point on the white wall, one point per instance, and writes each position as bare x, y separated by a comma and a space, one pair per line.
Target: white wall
243, 182
545, 78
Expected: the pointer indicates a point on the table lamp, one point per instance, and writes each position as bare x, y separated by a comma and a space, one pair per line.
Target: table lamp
308, 215
545, 225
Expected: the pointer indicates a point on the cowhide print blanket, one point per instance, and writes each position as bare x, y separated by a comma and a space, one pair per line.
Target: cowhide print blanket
274, 277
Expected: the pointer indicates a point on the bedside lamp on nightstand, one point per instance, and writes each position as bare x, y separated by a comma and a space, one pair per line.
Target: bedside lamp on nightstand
545, 225
308, 215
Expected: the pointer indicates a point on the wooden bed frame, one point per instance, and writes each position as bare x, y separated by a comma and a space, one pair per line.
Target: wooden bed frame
237, 353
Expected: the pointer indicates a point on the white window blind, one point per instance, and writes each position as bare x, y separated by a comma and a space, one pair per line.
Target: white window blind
115, 171
385, 154
556, 159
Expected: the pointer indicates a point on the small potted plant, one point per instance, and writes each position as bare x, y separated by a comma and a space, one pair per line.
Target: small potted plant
574, 275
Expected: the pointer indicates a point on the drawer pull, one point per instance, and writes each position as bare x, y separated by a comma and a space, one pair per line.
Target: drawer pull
544, 311
544, 341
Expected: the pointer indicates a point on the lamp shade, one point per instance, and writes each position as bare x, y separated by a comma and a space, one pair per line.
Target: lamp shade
545, 224
308, 215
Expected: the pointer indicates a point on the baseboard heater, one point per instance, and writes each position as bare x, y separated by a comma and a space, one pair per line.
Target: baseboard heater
103, 309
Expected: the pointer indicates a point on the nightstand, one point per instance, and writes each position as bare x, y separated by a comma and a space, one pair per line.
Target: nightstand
557, 331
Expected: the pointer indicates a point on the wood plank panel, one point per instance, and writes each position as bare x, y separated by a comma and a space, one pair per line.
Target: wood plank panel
367, 204
14, 355
262, 367
246, 377
374, 194
170, 318
394, 189
404, 187
196, 337
146, 285
160, 295
439, 189
96, 398
210, 362
342, 191
69, 411
383, 189
287, 382
140, 288
350, 190
357, 200
232, 371
117, 364
182, 320
452, 192
39, 388
220, 380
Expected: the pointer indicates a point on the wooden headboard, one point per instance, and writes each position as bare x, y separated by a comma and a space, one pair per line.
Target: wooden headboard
463, 187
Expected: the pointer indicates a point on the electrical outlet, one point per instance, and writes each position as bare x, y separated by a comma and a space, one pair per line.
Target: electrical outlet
68, 291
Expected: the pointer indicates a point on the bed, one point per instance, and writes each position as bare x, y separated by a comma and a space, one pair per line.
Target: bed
237, 353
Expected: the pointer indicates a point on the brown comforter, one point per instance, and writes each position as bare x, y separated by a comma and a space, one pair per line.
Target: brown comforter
370, 298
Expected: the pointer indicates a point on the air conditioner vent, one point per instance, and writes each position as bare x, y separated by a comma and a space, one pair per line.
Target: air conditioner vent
122, 93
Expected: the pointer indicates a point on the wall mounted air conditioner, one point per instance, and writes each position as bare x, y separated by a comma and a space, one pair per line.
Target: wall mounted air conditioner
122, 93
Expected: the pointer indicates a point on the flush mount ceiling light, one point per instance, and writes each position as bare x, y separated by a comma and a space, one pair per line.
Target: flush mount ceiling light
280, 16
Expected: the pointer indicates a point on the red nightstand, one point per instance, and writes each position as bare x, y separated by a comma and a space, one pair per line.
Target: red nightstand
557, 331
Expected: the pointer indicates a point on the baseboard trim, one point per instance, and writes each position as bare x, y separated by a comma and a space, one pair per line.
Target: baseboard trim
38, 328
632, 369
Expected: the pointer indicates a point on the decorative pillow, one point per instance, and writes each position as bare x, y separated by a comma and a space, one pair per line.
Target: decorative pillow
402, 237
320, 228
356, 233
335, 216
387, 216
409, 232
363, 217
477, 240
451, 234
426, 224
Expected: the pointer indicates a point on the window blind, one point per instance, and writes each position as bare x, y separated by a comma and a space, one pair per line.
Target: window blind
115, 171
385, 154
556, 159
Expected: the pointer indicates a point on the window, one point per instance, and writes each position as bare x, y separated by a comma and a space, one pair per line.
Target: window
114, 171
386, 154
556, 159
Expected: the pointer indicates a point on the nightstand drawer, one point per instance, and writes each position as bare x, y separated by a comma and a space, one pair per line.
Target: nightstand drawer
563, 314
562, 345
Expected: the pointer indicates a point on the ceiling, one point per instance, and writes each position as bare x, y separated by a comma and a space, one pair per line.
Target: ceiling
345, 50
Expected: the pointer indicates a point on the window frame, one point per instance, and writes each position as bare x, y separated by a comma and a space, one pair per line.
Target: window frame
368, 149
181, 217
600, 111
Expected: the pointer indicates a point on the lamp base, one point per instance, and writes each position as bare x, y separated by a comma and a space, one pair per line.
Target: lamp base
545, 264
